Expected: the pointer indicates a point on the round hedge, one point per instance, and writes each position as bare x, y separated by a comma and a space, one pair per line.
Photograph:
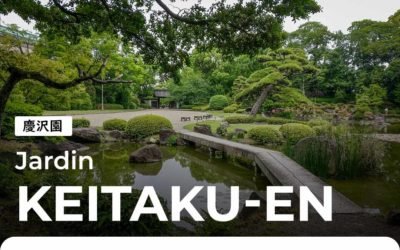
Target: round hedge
115, 124
146, 125
318, 122
218, 102
231, 108
266, 135
294, 132
80, 123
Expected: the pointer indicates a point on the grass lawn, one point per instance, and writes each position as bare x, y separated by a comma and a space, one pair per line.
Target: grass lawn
215, 124
86, 112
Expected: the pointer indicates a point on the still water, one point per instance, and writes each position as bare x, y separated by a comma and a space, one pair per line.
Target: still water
182, 166
381, 191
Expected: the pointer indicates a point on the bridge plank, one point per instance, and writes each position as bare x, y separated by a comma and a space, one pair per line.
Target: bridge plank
278, 168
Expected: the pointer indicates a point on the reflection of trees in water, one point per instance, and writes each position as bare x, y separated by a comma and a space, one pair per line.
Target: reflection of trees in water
148, 168
213, 172
111, 165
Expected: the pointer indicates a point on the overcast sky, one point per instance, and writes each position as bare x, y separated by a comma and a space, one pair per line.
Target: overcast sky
336, 14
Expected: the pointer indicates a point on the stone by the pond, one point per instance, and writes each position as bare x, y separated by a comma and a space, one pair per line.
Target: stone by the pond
147, 154
152, 140
165, 134
85, 135
117, 134
393, 217
55, 149
113, 136
202, 129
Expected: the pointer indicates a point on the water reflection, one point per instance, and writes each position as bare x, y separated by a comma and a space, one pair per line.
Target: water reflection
184, 167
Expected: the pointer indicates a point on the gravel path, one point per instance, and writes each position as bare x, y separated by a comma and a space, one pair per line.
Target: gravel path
96, 120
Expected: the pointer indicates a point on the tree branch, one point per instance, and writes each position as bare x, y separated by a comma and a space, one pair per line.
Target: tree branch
181, 18
83, 77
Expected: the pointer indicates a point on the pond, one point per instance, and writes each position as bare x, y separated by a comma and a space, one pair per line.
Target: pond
182, 166
382, 191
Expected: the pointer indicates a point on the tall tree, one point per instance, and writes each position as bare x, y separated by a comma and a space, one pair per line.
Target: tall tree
282, 68
64, 67
164, 33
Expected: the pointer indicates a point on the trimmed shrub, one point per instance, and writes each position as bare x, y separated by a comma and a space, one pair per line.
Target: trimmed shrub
146, 125
252, 119
80, 123
231, 108
218, 102
266, 135
240, 119
115, 124
321, 130
17, 109
200, 108
318, 122
294, 132
186, 106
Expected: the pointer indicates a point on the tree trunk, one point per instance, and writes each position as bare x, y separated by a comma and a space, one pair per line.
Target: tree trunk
5, 93
261, 99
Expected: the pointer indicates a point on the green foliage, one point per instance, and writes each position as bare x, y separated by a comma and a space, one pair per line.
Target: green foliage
253, 119
371, 97
146, 125
17, 109
266, 135
318, 122
9, 181
322, 130
294, 132
286, 97
341, 154
231, 108
172, 140
191, 89
222, 130
218, 102
115, 124
80, 123
201, 107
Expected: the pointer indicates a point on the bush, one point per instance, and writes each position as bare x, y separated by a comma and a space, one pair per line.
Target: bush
218, 102
321, 130
146, 125
231, 108
222, 130
145, 106
294, 132
111, 106
186, 106
115, 124
318, 122
200, 108
240, 119
252, 119
266, 135
341, 154
17, 109
80, 123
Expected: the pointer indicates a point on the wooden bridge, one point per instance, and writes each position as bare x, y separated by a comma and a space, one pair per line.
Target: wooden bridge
278, 168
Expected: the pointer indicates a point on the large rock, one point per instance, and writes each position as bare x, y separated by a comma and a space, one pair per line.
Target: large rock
165, 134
85, 135
147, 154
393, 218
49, 148
203, 129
